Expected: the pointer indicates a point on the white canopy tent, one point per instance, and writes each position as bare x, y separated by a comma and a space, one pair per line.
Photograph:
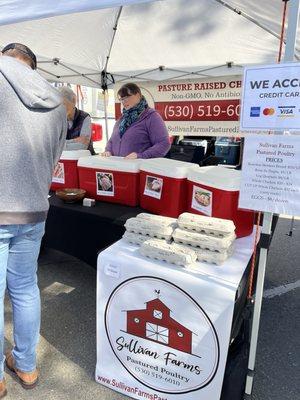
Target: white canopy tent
143, 40
80, 41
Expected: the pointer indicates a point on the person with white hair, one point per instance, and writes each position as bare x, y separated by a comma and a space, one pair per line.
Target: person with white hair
79, 123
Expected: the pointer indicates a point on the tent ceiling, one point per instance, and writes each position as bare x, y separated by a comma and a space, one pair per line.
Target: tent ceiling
19, 10
189, 38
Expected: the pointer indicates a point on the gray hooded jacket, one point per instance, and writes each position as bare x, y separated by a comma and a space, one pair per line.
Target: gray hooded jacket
32, 136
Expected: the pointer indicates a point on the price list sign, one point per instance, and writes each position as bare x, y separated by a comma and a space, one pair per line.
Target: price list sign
271, 174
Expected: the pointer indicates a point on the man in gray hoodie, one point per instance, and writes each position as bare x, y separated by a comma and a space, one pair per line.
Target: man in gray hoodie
33, 130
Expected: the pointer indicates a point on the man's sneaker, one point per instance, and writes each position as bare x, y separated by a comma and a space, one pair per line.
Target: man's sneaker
28, 380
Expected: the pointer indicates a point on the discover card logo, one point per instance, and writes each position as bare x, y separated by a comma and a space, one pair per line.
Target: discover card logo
156, 340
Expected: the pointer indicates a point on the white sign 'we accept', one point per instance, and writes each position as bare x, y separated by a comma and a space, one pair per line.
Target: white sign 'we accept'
271, 98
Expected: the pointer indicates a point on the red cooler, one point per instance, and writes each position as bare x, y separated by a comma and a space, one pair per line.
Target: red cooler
97, 133
65, 173
214, 191
111, 179
163, 186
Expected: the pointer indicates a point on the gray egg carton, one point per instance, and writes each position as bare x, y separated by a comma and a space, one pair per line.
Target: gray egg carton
136, 238
208, 225
153, 229
171, 253
166, 221
213, 257
206, 242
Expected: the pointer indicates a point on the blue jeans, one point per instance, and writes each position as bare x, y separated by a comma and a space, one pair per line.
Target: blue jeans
19, 250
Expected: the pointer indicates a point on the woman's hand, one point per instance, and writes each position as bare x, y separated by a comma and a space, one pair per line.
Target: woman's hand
132, 156
106, 154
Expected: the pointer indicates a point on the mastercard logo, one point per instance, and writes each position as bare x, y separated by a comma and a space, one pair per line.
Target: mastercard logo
268, 111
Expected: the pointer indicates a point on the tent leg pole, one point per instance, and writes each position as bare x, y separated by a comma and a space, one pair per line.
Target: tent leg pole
105, 114
293, 20
291, 33
266, 232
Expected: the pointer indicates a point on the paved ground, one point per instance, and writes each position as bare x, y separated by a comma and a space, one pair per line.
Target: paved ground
67, 345
278, 358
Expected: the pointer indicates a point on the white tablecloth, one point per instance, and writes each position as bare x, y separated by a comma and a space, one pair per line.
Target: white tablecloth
163, 331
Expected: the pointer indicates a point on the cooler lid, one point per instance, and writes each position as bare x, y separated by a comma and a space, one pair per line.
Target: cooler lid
74, 154
228, 141
217, 177
227, 144
167, 167
110, 163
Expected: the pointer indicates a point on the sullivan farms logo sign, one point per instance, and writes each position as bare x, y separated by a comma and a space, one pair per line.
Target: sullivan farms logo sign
161, 335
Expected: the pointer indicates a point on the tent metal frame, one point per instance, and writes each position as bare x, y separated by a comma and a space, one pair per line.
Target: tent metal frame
103, 82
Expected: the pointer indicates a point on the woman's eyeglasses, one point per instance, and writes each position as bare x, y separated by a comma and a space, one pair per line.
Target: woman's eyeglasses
122, 99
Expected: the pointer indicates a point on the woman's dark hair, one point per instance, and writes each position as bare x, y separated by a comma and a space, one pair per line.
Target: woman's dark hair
128, 89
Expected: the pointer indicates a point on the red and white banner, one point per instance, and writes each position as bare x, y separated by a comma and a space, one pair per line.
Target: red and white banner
202, 107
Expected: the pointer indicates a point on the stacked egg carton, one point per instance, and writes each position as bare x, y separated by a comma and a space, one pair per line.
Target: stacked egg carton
154, 234
210, 238
169, 252
145, 226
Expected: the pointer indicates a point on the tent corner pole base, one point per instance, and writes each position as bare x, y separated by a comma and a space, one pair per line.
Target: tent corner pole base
263, 253
249, 385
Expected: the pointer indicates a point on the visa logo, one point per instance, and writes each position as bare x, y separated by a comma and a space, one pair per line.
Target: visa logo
286, 111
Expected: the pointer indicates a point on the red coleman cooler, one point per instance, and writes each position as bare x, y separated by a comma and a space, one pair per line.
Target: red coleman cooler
163, 186
97, 133
111, 179
214, 191
65, 173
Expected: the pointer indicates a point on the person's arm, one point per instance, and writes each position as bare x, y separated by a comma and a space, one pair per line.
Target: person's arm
71, 145
62, 137
158, 136
109, 145
81, 142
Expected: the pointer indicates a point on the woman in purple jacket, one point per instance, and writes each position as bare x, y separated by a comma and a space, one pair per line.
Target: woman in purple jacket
140, 132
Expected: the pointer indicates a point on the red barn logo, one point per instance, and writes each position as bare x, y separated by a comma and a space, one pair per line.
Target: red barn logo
155, 323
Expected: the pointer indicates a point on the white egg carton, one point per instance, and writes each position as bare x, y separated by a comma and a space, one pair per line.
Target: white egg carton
213, 257
207, 225
206, 242
168, 221
136, 238
171, 253
153, 229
